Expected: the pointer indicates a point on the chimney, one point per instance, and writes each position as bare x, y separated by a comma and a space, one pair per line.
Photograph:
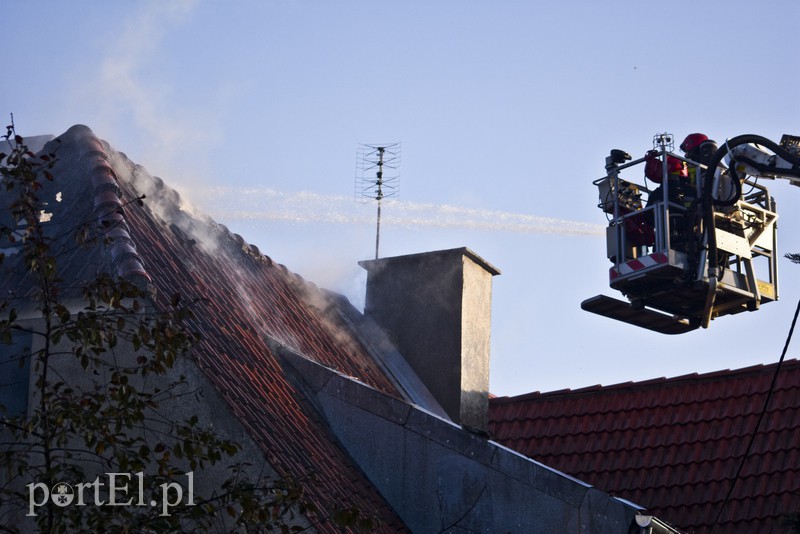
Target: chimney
436, 307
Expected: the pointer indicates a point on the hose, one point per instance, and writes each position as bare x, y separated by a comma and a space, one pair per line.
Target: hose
710, 201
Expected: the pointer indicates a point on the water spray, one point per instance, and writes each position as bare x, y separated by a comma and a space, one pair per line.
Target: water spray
265, 204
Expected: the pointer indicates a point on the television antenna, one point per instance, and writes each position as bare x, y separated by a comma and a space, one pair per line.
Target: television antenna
377, 168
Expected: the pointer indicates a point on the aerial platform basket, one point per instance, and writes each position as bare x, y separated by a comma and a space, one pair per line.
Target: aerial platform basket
658, 243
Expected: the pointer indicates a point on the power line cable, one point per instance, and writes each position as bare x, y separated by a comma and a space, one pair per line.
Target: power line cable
760, 418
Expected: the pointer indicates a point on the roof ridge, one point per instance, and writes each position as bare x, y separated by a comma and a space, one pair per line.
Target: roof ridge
107, 203
726, 374
169, 199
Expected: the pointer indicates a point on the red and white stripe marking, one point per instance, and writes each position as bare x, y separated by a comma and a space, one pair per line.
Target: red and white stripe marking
638, 264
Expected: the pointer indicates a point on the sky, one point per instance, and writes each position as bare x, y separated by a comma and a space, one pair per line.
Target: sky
504, 111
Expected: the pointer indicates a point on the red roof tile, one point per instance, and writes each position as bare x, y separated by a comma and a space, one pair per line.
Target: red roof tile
672, 445
249, 297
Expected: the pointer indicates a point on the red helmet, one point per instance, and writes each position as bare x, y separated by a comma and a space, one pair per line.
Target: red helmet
693, 141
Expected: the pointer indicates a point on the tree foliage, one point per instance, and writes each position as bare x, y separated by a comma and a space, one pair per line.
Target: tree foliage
104, 377
791, 523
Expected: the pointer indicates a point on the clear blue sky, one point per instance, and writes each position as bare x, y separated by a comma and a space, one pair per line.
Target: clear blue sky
505, 111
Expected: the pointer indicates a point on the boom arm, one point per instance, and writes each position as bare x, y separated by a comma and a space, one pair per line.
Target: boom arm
750, 158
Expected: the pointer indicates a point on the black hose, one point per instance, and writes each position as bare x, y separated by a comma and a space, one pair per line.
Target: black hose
709, 200
716, 159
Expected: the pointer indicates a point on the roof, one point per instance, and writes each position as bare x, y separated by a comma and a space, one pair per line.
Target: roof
672, 445
248, 300
316, 385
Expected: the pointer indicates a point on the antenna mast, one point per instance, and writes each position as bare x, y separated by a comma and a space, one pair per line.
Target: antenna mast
372, 182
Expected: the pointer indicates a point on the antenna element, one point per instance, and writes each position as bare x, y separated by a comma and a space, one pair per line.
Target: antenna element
372, 182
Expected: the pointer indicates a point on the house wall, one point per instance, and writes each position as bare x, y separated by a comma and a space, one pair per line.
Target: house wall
197, 397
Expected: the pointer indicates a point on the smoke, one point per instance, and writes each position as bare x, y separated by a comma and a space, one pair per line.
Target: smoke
127, 95
126, 99
174, 212
263, 204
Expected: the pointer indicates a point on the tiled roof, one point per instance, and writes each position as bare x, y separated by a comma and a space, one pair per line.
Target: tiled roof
246, 299
672, 445
250, 296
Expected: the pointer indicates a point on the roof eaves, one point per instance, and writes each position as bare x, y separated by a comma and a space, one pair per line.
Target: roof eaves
654, 525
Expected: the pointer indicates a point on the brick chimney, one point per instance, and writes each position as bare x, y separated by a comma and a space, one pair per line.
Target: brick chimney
436, 308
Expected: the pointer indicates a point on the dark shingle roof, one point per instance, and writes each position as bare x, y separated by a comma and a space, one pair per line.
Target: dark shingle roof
672, 445
246, 299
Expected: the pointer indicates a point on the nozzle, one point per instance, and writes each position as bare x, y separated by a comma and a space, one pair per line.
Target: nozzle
616, 157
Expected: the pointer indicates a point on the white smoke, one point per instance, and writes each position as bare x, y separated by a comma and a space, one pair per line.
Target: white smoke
125, 103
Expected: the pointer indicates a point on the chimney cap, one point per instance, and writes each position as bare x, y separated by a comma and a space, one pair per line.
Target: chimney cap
380, 263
